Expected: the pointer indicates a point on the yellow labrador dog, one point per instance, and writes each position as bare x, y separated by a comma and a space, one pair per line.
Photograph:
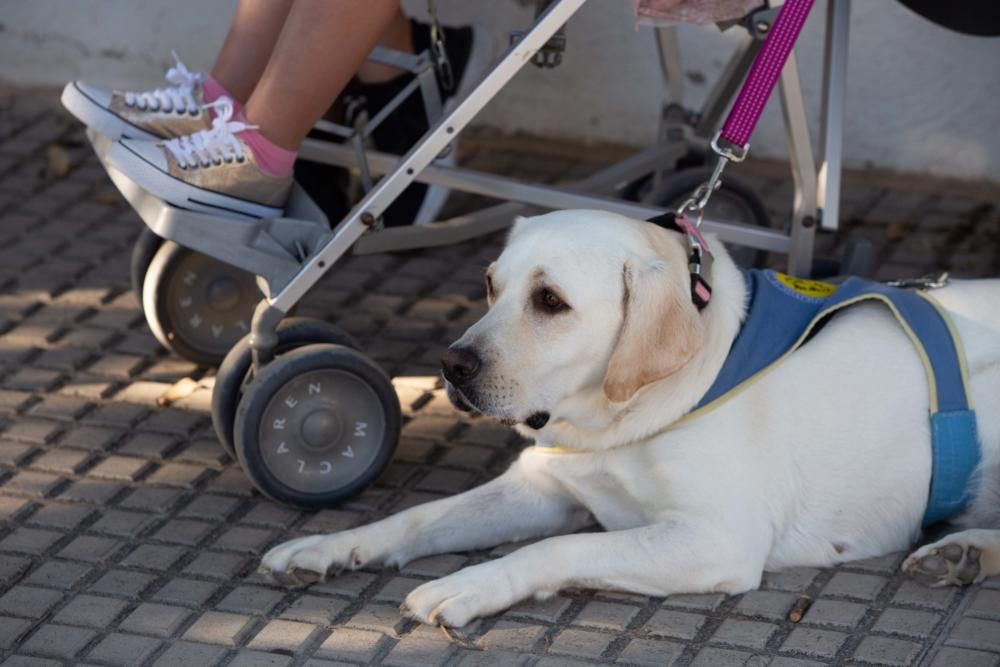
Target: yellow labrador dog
592, 344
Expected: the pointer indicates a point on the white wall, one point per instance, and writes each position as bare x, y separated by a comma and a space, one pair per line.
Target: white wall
920, 98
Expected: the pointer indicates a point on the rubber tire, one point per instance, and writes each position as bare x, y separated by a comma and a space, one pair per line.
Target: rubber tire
142, 256
271, 379
234, 372
674, 188
159, 271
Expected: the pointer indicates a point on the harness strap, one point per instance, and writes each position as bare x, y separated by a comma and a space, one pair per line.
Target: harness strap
699, 256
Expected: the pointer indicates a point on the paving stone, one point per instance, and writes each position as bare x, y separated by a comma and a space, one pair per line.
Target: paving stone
649, 652
749, 634
251, 600
154, 619
985, 604
63, 461
11, 631
216, 627
675, 624
418, 652
92, 438
541, 610
915, 594
720, 657
33, 484
123, 583
122, 523
435, 566
766, 604
27, 661
190, 654
59, 574
188, 533
29, 601
349, 584
67, 408
960, 657
91, 549
217, 565
316, 610
909, 622
817, 643
886, 651
154, 446
580, 643
351, 644
835, 613
30, 541
397, 589
58, 641
14, 453
183, 475
98, 492
12, 567
860, 586
511, 635
91, 611
210, 507
977, 634
259, 659
188, 592
150, 499
281, 635
123, 468
122, 649
243, 539
606, 616
700, 602
153, 557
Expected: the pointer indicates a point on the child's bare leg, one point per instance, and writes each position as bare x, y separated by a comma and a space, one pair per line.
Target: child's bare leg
321, 46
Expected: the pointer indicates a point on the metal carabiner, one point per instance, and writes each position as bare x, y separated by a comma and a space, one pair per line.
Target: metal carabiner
697, 202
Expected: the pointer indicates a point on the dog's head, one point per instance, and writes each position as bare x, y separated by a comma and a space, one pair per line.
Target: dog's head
579, 301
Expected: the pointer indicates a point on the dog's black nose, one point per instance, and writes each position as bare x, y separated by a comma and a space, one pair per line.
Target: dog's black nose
460, 364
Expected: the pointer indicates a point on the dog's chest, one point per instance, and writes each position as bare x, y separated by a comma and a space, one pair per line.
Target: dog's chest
619, 495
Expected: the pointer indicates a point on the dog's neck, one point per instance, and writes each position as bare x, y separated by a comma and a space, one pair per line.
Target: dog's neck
589, 421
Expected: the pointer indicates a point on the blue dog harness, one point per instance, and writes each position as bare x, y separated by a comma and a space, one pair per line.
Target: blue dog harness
784, 312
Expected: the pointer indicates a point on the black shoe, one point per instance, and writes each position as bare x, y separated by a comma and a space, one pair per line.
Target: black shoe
470, 52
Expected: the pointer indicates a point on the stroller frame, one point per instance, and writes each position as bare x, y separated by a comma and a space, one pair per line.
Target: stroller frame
290, 254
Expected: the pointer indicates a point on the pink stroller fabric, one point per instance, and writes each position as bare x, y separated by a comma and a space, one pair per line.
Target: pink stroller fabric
660, 12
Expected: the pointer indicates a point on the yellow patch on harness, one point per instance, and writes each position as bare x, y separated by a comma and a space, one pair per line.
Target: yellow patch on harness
811, 288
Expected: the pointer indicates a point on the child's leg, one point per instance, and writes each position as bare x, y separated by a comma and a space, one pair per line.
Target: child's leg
248, 45
321, 46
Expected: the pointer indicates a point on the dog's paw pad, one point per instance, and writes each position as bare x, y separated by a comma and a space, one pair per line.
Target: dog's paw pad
952, 564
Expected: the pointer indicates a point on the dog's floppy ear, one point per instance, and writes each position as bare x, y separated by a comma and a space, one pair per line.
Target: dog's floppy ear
660, 332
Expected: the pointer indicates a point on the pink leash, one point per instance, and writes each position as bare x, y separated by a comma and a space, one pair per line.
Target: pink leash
764, 74
735, 135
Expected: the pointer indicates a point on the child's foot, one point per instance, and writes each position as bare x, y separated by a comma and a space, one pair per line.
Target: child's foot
211, 171
470, 52
174, 111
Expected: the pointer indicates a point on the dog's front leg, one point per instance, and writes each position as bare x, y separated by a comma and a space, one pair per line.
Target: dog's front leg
514, 506
659, 559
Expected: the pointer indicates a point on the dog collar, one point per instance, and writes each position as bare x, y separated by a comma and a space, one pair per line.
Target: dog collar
699, 256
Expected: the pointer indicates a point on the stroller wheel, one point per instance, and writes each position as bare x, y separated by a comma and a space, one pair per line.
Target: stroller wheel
234, 373
142, 255
197, 306
317, 426
733, 202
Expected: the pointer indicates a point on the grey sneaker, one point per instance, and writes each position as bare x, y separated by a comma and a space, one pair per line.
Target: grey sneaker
164, 113
211, 171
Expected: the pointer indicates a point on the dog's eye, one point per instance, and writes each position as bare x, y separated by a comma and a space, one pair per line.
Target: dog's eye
548, 301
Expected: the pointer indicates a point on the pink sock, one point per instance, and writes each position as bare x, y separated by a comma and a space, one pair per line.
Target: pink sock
272, 158
214, 90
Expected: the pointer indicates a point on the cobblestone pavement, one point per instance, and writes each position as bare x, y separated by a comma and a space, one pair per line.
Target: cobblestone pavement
128, 537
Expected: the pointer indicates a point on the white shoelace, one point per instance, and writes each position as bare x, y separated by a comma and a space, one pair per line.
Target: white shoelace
215, 145
178, 98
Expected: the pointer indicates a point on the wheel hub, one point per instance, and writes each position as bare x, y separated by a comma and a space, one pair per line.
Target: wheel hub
222, 293
321, 429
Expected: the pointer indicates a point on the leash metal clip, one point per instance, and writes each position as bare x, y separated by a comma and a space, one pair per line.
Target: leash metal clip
929, 281
697, 202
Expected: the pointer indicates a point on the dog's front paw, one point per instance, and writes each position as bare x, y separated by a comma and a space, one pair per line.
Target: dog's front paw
308, 559
952, 560
461, 597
